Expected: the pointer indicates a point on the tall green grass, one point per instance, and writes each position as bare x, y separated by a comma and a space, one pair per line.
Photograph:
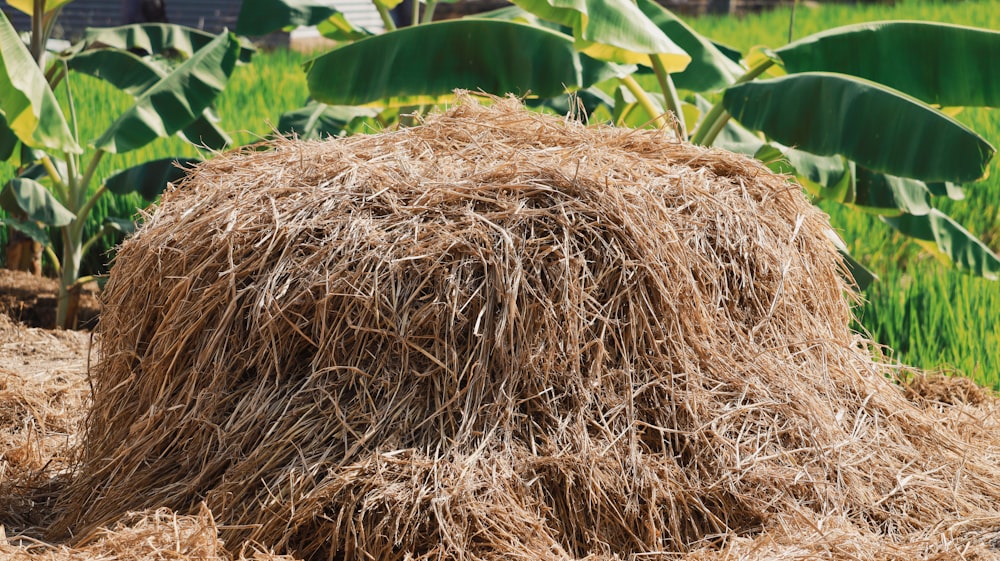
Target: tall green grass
929, 315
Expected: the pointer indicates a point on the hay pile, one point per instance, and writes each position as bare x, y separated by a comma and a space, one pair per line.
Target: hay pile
503, 335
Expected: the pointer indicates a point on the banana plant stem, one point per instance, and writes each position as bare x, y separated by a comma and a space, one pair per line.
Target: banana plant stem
673, 103
643, 98
717, 126
54, 258
38, 31
429, 11
93, 239
81, 215
88, 175
791, 21
415, 14
72, 183
72, 106
383, 12
58, 182
718, 113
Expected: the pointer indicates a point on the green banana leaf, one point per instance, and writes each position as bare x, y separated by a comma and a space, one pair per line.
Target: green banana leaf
8, 140
26, 101
613, 30
149, 179
518, 14
319, 120
175, 101
29, 228
887, 195
118, 67
946, 65
204, 132
730, 53
120, 225
28, 6
260, 17
736, 138
710, 68
628, 112
862, 276
134, 76
824, 177
880, 128
946, 189
938, 232
337, 28
155, 39
35, 169
426, 63
30, 198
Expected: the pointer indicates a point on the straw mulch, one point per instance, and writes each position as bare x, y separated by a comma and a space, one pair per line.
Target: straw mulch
504, 335
42, 401
158, 535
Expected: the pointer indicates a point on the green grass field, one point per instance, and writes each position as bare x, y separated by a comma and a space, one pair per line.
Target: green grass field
933, 317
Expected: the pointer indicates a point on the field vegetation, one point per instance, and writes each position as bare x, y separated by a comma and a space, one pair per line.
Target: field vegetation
931, 315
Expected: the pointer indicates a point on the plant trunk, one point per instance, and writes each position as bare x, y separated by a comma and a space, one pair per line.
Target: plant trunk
23, 253
69, 292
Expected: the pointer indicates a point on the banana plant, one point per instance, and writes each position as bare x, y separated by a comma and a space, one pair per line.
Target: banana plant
172, 74
871, 103
859, 115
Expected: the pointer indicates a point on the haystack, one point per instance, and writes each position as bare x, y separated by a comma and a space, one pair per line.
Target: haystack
504, 335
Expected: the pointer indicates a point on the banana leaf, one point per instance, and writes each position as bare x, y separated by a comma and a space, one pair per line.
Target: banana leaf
939, 233
27, 104
881, 129
155, 39
319, 120
942, 64
177, 100
149, 179
424, 64
710, 68
260, 17
134, 76
30, 198
613, 30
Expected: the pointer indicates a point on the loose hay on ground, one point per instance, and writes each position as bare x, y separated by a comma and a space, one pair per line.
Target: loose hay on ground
43, 397
503, 335
158, 535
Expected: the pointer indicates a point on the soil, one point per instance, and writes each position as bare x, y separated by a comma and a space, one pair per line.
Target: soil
31, 300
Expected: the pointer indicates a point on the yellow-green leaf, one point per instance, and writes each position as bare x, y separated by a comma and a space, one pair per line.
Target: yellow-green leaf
26, 101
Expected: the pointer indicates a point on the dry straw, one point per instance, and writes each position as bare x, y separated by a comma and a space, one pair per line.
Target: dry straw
502, 335
158, 535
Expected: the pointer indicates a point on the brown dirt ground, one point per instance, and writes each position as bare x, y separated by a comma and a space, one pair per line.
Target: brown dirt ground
32, 300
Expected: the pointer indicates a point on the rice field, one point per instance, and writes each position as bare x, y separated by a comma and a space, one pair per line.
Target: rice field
931, 316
